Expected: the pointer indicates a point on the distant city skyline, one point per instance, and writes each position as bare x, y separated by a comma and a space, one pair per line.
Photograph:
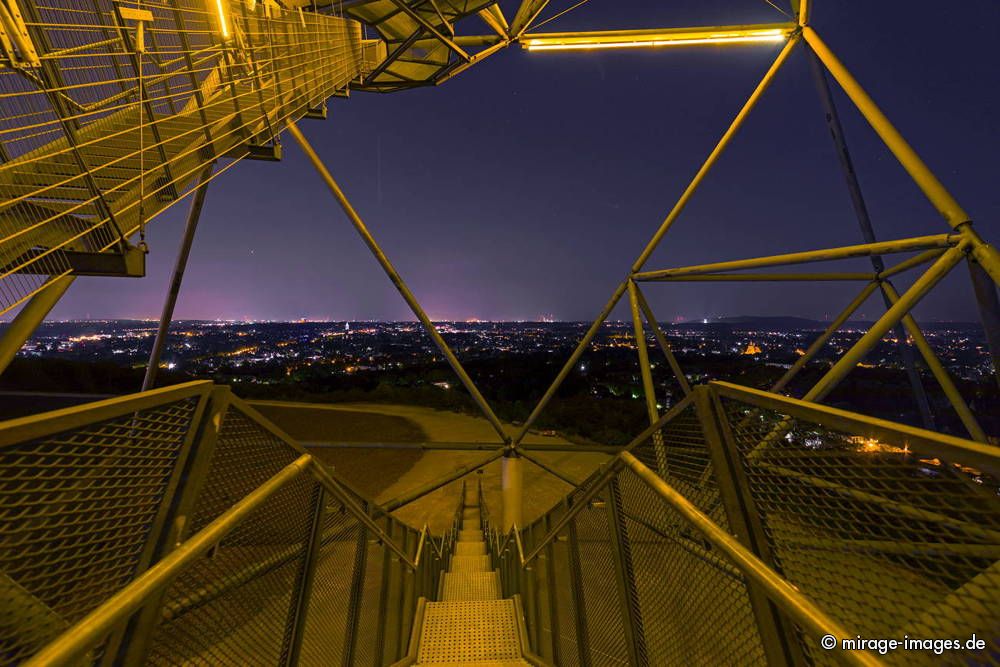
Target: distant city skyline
501, 196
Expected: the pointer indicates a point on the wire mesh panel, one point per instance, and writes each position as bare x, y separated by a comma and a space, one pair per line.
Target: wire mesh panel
77, 511
367, 629
693, 602
888, 542
565, 595
234, 606
602, 598
330, 600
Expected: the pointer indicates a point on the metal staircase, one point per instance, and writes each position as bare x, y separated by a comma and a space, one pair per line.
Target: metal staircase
108, 135
471, 623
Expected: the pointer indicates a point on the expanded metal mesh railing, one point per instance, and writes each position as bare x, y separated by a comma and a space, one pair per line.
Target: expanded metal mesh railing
126, 105
748, 526
178, 526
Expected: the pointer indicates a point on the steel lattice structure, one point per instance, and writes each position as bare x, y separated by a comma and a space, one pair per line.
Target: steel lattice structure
724, 511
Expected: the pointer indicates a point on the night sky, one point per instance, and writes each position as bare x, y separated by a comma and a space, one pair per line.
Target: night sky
527, 185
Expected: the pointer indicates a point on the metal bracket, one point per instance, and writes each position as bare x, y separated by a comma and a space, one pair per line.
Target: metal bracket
14, 36
141, 18
317, 113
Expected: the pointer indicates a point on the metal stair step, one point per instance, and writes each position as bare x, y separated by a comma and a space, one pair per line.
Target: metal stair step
470, 535
470, 548
479, 663
469, 633
466, 586
470, 564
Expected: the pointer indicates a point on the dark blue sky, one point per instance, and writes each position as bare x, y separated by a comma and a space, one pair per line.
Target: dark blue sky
527, 185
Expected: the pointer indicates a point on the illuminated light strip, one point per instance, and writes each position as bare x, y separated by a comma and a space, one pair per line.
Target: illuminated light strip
598, 41
223, 24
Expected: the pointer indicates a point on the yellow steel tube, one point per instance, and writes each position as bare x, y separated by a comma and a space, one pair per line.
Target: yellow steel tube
30, 316
640, 344
932, 188
713, 157
984, 253
824, 255
821, 340
661, 340
646, 373
804, 7
786, 596
938, 370
396, 279
852, 357
767, 277
908, 264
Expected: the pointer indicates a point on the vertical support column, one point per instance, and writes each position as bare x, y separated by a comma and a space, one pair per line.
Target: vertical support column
194, 214
304, 582
777, 634
867, 230
621, 550
989, 312
30, 316
512, 484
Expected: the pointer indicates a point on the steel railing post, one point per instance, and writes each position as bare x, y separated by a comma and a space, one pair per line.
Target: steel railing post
621, 550
552, 586
357, 590
301, 594
388, 608
406, 600
576, 591
777, 635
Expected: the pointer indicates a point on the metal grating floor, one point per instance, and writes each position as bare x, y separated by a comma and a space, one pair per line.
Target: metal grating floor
481, 663
470, 564
464, 632
463, 586
470, 548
